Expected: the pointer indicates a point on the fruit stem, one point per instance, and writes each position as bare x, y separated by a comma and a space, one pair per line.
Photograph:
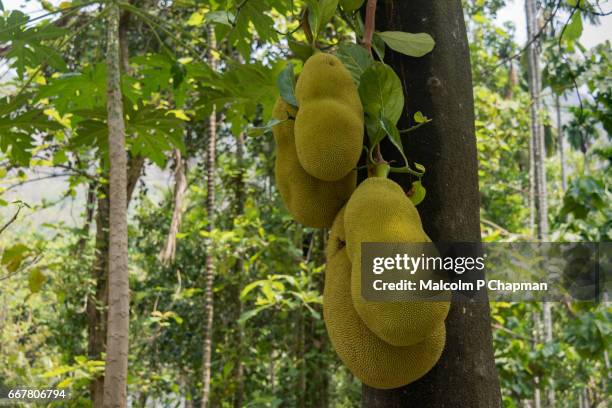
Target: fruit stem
370, 22
381, 170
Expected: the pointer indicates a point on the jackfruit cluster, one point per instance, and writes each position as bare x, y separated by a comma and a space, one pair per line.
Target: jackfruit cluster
329, 122
386, 345
311, 202
374, 361
380, 211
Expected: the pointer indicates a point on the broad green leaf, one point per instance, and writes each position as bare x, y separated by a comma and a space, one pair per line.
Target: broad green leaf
286, 85
327, 9
573, 30
414, 45
302, 51
382, 96
196, 19
13, 256
35, 280
355, 58
220, 17
351, 5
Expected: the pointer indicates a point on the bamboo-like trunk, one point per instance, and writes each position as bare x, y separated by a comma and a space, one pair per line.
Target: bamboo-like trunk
537, 129
560, 143
117, 342
239, 336
210, 265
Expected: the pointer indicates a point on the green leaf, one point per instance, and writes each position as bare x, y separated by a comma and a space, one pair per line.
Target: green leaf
573, 30
355, 58
35, 280
420, 118
391, 130
261, 130
378, 45
382, 96
301, 50
286, 85
327, 9
413, 45
351, 5
220, 17
418, 192
13, 256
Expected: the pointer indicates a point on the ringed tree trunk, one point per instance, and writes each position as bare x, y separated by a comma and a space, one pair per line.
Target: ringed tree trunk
209, 276
537, 129
560, 142
440, 85
115, 379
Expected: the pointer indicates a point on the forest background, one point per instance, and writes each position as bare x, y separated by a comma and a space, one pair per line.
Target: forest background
269, 345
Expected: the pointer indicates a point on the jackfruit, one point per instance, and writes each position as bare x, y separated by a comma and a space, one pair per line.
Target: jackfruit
372, 360
380, 211
311, 202
329, 122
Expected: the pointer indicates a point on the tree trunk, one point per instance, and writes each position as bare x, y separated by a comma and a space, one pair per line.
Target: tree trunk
210, 266
440, 85
96, 304
168, 253
239, 210
560, 142
115, 379
537, 129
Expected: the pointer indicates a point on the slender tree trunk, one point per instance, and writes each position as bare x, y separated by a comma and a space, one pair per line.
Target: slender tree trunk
440, 85
115, 380
210, 265
548, 337
239, 210
560, 143
168, 253
537, 325
537, 129
96, 304
532, 189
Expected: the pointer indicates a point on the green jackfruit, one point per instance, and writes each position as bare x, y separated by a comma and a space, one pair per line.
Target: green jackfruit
372, 360
311, 202
380, 211
329, 122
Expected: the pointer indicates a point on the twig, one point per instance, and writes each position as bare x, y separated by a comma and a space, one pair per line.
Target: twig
370, 23
518, 336
574, 80
12, 220
528, 44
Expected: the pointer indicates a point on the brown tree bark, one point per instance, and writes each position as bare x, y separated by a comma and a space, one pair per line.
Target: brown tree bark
117, 342
440, 86
96, 304
209, 276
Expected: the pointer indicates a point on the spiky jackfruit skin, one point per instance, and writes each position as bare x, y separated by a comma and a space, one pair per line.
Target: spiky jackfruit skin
311, 202
380, 211
329, 123
372, 360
